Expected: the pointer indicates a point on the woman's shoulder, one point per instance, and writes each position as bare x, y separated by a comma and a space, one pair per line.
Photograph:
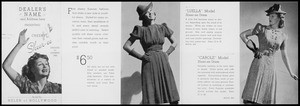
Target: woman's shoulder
163, 24
21, 79
137, 27
54, 87
52, 84
259, 25
259, 29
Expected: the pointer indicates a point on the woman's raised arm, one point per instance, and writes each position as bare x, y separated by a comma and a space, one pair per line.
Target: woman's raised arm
11, 73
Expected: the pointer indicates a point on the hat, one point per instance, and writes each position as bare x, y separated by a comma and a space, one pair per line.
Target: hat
276, 8
142, 9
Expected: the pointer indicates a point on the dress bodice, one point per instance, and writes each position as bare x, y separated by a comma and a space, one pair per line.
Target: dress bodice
269, 39
153, 36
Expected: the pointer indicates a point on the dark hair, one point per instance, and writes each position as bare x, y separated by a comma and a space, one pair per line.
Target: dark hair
281, 21
27, 69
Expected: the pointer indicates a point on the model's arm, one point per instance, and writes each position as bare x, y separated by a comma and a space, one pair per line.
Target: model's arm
244, 35
129, 49
286, 59
127, 46
249, 43
173, 45
11, 73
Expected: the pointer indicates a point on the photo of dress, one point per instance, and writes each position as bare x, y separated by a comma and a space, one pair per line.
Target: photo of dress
271, 77
157, 77
150, 55
261, 80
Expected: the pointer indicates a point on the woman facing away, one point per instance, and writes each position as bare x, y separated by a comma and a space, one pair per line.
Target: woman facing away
35, 73
260, 87
158, 83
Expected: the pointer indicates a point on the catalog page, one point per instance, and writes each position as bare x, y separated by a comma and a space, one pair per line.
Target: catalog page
149, 53
80, 43
31, 40
91, 59
209, 52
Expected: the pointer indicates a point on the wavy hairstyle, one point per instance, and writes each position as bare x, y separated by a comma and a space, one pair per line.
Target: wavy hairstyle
281, 21
27, 69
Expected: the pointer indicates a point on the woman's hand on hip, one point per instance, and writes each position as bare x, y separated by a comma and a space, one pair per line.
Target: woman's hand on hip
145, 57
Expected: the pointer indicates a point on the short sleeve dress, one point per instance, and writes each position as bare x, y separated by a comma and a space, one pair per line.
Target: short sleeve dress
27, 87
261, 81
158, 83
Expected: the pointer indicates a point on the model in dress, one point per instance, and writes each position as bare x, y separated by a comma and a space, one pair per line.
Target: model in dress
260, 87
158, 83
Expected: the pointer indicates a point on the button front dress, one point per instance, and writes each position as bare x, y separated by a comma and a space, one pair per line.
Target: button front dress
158, 83
261, 81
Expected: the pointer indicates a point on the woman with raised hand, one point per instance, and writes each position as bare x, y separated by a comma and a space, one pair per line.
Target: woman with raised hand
35, 73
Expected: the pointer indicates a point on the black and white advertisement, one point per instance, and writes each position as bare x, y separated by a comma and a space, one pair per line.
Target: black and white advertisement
143, 53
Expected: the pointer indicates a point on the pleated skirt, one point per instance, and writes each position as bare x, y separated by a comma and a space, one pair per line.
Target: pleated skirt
158, 83
261, 82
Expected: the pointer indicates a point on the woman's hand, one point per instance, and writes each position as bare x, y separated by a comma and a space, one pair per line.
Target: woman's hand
167, 55
294, 76
22, 41
145, 57
257, 54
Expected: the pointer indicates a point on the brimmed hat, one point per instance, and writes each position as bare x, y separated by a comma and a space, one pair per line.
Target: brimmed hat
142, 9
276, 8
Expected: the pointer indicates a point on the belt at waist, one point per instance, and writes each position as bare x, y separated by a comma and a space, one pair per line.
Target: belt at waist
267, 52
154, 48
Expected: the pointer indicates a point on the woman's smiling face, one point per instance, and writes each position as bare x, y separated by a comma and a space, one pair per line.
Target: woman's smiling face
41, 67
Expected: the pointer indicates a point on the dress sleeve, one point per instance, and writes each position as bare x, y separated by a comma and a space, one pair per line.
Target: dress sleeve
21, 81
137, 31
167, 30
257, 29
